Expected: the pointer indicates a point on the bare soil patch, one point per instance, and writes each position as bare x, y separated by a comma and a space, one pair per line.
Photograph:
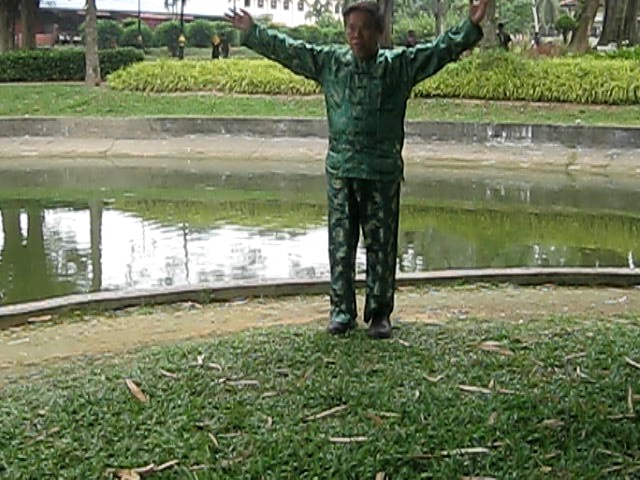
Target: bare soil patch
30, 349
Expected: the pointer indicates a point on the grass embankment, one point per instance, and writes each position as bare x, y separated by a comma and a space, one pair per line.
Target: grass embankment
552, 398
78, 101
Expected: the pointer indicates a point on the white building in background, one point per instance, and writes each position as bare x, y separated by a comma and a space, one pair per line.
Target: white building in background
284, 12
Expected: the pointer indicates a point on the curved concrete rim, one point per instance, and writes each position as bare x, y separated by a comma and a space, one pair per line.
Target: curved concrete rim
573, 136
23, 313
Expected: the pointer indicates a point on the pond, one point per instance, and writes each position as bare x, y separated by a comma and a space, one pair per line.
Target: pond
75, 230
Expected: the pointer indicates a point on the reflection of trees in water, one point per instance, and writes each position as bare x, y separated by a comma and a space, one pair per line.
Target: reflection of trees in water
33, 266
469, 239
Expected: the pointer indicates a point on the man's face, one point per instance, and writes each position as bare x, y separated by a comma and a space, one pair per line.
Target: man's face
362, 35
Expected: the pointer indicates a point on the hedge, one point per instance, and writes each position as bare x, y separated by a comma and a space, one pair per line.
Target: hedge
60, 64
489, 75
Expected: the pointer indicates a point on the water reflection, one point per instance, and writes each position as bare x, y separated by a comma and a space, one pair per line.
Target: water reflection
117, 241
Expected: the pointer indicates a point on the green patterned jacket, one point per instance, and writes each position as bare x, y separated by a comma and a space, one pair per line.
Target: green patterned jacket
366, 100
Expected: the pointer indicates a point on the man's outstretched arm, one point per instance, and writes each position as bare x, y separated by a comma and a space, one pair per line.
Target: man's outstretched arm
428, 58
299, 57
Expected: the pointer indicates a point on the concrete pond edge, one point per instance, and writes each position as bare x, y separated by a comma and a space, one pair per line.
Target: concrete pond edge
28, 312
571, 136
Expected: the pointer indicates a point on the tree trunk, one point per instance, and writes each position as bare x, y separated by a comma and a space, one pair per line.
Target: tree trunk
386, 7
489, 27
439, 17
613, 22
95, 216
586, 16
8, 9
28, 19
630, 29
91, 60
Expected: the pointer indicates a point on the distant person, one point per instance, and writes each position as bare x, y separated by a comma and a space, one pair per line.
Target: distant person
215, 47
504, 39
366, 90
224, 45
411, 40
536, 39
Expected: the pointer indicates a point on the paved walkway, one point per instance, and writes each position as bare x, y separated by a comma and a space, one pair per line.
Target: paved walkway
304, 154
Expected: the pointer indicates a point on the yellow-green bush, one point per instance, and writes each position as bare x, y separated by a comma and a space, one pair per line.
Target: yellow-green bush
501, 76
255, 76
487, 75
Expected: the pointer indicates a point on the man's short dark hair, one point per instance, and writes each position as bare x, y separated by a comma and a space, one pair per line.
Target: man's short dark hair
369, 7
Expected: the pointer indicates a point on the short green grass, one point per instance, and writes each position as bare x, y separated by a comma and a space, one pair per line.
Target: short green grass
76, 100
557, 401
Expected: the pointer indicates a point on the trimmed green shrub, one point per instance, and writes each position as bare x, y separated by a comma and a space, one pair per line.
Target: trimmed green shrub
114, 59
495, 75
60, 64
490, 75
230, 76
129, 36
199, 33
109, 33
167, 34
232, 34
565, 25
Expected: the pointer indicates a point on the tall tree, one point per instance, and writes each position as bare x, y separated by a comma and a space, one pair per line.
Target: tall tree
630, 28
586, 14
8, 15
613, 22
439, 14
547, 11
489, 26
91, 59
386, 7
28, 20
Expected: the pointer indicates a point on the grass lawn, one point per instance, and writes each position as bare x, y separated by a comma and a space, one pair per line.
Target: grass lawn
551, 398
76, 100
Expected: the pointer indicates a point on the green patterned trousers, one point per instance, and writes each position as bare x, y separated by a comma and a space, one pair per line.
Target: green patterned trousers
373, 206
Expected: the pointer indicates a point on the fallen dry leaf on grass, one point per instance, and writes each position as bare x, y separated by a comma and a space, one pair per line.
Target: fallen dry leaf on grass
44, 435
134, 473
451, 453
632, 363
472, 389
135, 390
375, 418
495, 347
244, 383
168, 374
552, 423
573, 356
127, 474
380, 476
326, 413
348, 439
166, 465
389, 414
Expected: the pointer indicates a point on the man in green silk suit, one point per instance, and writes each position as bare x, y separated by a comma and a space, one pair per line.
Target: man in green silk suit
366, 90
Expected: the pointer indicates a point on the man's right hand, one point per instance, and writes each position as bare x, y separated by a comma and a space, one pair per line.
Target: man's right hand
241, 20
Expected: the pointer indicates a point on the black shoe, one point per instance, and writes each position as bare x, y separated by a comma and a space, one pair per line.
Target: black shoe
340, 328
380, 328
